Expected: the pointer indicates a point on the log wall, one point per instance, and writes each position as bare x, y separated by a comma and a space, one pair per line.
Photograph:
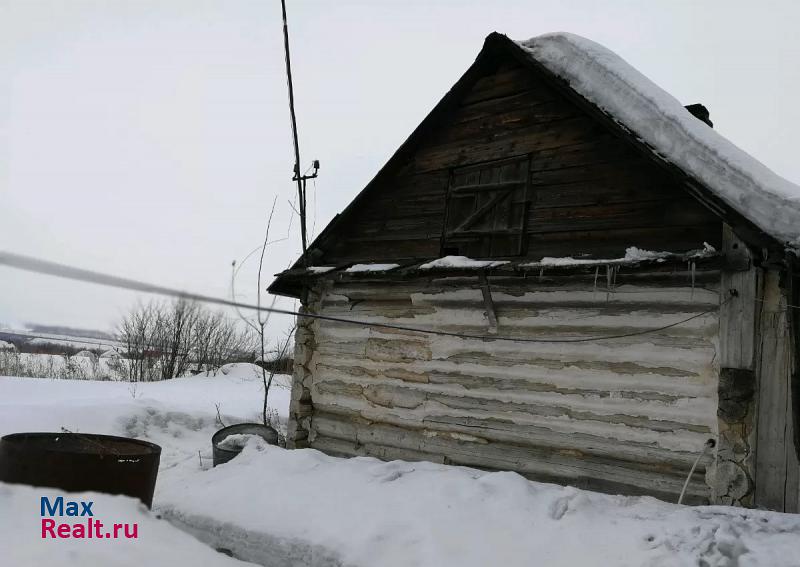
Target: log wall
626, 415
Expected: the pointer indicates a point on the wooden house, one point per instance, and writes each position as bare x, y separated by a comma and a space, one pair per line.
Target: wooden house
578, 279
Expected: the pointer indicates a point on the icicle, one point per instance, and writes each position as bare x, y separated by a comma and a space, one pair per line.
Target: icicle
596, 272
541, 273
692, 266
608, 281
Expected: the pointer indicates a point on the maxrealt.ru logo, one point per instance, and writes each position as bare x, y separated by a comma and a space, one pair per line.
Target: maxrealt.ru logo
88, 527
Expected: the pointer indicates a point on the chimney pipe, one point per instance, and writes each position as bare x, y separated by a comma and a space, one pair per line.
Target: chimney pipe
700, 112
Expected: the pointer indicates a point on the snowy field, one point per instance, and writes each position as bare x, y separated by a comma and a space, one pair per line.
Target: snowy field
285, 508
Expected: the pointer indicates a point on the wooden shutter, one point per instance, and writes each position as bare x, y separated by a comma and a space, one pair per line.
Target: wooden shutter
487, 208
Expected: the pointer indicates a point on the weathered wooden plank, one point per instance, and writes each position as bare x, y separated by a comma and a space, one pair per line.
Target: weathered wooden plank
604, 149
343, 424
682, 439
735, 467
602, 192
631, 172
565, 466
574, 290
738, 306
517, 315
668, 385
535, 373
654, 415
404, 249
695, 494
505, 82
670, 213
535, 101
505, 144
506, 122
613, 242
773, 467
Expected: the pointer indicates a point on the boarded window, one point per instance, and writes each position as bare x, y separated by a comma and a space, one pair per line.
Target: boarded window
487, 210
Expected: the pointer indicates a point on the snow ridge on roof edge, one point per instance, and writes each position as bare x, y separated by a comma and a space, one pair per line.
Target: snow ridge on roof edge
660, 120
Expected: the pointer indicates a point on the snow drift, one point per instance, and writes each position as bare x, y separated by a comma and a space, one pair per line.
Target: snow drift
307, 507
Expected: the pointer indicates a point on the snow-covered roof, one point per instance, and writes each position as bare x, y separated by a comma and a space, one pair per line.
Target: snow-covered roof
769, 201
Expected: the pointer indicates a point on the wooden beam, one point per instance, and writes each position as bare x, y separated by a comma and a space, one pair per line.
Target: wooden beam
488, 303
734, 467
776, 464
482, 187
481, 212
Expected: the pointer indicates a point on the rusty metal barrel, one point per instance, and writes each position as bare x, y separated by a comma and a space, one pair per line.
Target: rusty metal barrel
224, 452
79, 462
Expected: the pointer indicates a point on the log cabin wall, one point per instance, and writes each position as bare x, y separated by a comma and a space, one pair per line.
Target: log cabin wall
586, 190
626, 415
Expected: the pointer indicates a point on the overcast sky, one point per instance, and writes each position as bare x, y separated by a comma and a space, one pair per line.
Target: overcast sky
148, 138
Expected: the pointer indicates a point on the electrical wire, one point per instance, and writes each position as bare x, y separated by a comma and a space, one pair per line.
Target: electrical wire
45, 267
709, 444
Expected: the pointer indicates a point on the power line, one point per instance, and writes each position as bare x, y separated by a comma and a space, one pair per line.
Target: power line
45, 267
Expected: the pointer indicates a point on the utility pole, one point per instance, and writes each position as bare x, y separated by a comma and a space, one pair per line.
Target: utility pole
300, 179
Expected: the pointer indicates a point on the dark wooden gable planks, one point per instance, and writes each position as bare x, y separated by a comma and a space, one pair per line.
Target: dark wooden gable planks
590, 192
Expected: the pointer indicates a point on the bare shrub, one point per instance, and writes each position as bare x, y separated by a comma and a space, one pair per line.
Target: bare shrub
167, 340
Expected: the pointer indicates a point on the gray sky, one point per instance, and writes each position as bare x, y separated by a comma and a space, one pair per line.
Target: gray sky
149, 138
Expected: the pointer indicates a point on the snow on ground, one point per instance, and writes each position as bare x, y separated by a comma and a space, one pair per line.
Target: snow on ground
178, 414
286, 508
661, 121
320, 510
157, 542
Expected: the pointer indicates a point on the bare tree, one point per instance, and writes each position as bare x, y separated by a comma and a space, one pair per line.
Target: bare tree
217, 340
279, 354
173, 337
165, 340
262, 318
137, 331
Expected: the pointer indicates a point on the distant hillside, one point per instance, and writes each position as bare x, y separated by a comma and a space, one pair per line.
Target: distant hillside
69, 331
40, 342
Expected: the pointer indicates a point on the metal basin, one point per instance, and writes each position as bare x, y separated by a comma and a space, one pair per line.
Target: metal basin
225, 454
78, 462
